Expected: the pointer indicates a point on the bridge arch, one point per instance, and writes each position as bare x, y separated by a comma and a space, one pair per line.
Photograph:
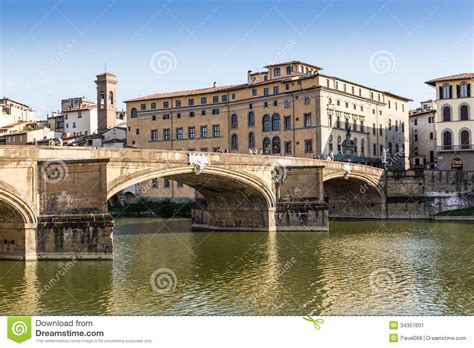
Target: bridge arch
358, 196
225, 199
20, 210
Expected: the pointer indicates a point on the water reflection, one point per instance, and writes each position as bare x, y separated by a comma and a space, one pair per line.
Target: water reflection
365, 268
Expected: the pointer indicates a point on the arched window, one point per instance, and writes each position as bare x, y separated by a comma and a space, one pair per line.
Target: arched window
362, 147
464, 112
275, 122
251, 119
445, 92
464, 90
276, 145
234, 142
267, 147
102, 100
339, 144
307, 101
266, 123
234, 121
397, 149
446, 114
389, 124
447, 140
465, 139
390, 148
330, 147
251, 140
329, 101
133, 112
396, 126
288, 70
111, 98
287, 104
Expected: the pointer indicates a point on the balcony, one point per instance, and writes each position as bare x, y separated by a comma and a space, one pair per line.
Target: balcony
456, 148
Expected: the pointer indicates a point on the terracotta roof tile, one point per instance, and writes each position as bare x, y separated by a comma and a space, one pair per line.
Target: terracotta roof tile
462, 76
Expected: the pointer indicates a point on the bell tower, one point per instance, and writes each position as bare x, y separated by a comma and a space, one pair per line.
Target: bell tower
106, 101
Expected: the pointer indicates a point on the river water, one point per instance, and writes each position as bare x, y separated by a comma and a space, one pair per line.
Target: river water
161, 268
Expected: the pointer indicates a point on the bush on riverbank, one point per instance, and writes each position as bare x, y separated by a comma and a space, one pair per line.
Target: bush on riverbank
457, 212
164, 209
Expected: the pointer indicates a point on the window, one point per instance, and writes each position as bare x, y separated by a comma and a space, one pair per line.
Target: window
267, 146
166, 134
254, 92
330, 144
276, 72
362, 147
275, 122
446, 114
464, 113
166, 116
216, 131
203, 112
215, 111
179, 133
203, 131
251, 140
203, 100
276, 145
265, 104
233, 95
166, 183
191, 114
287, 122
275, 103
287, 104
153, 105
266, 123
389, 124
250, 106
362, 126
276, 90
307, 101
447, 140
307, 120
288, 70
380, 130
153, 117
234, 142
266, 91
445, 92
308, 146
74, 125
177, 103
215, 99
166, 104
234, 121
463, 90
431, 136
137, 131
178, 115
251, 119
190, 102
191, 132
465, 139
154, 183
374, 150
224, 98
133, 113
153, 135
142, 107
415, 122
179, 184
355, 146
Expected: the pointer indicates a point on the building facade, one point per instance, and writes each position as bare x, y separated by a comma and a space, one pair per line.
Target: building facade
423, 153
291, 109
14, 112
80, 116
454, 121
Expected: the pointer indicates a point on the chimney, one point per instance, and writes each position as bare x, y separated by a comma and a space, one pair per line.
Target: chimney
215, 84
249, 77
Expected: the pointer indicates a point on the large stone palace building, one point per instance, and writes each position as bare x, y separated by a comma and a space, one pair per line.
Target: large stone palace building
290, 109
454, 121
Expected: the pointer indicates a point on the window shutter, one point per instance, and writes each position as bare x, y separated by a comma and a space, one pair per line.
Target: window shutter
468, 89
441, 92
450, 91
458, 91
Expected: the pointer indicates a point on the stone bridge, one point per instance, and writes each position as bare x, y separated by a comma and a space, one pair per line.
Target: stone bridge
53, 200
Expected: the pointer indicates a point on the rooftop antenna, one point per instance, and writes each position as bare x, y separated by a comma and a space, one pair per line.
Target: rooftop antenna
105, 67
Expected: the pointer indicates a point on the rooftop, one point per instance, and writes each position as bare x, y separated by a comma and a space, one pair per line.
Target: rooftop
293, 62
462, 76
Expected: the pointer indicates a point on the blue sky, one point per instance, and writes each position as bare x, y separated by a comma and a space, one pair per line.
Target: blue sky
53, 49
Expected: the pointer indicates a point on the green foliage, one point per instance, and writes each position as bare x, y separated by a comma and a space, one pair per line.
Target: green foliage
457, 212
164, 209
